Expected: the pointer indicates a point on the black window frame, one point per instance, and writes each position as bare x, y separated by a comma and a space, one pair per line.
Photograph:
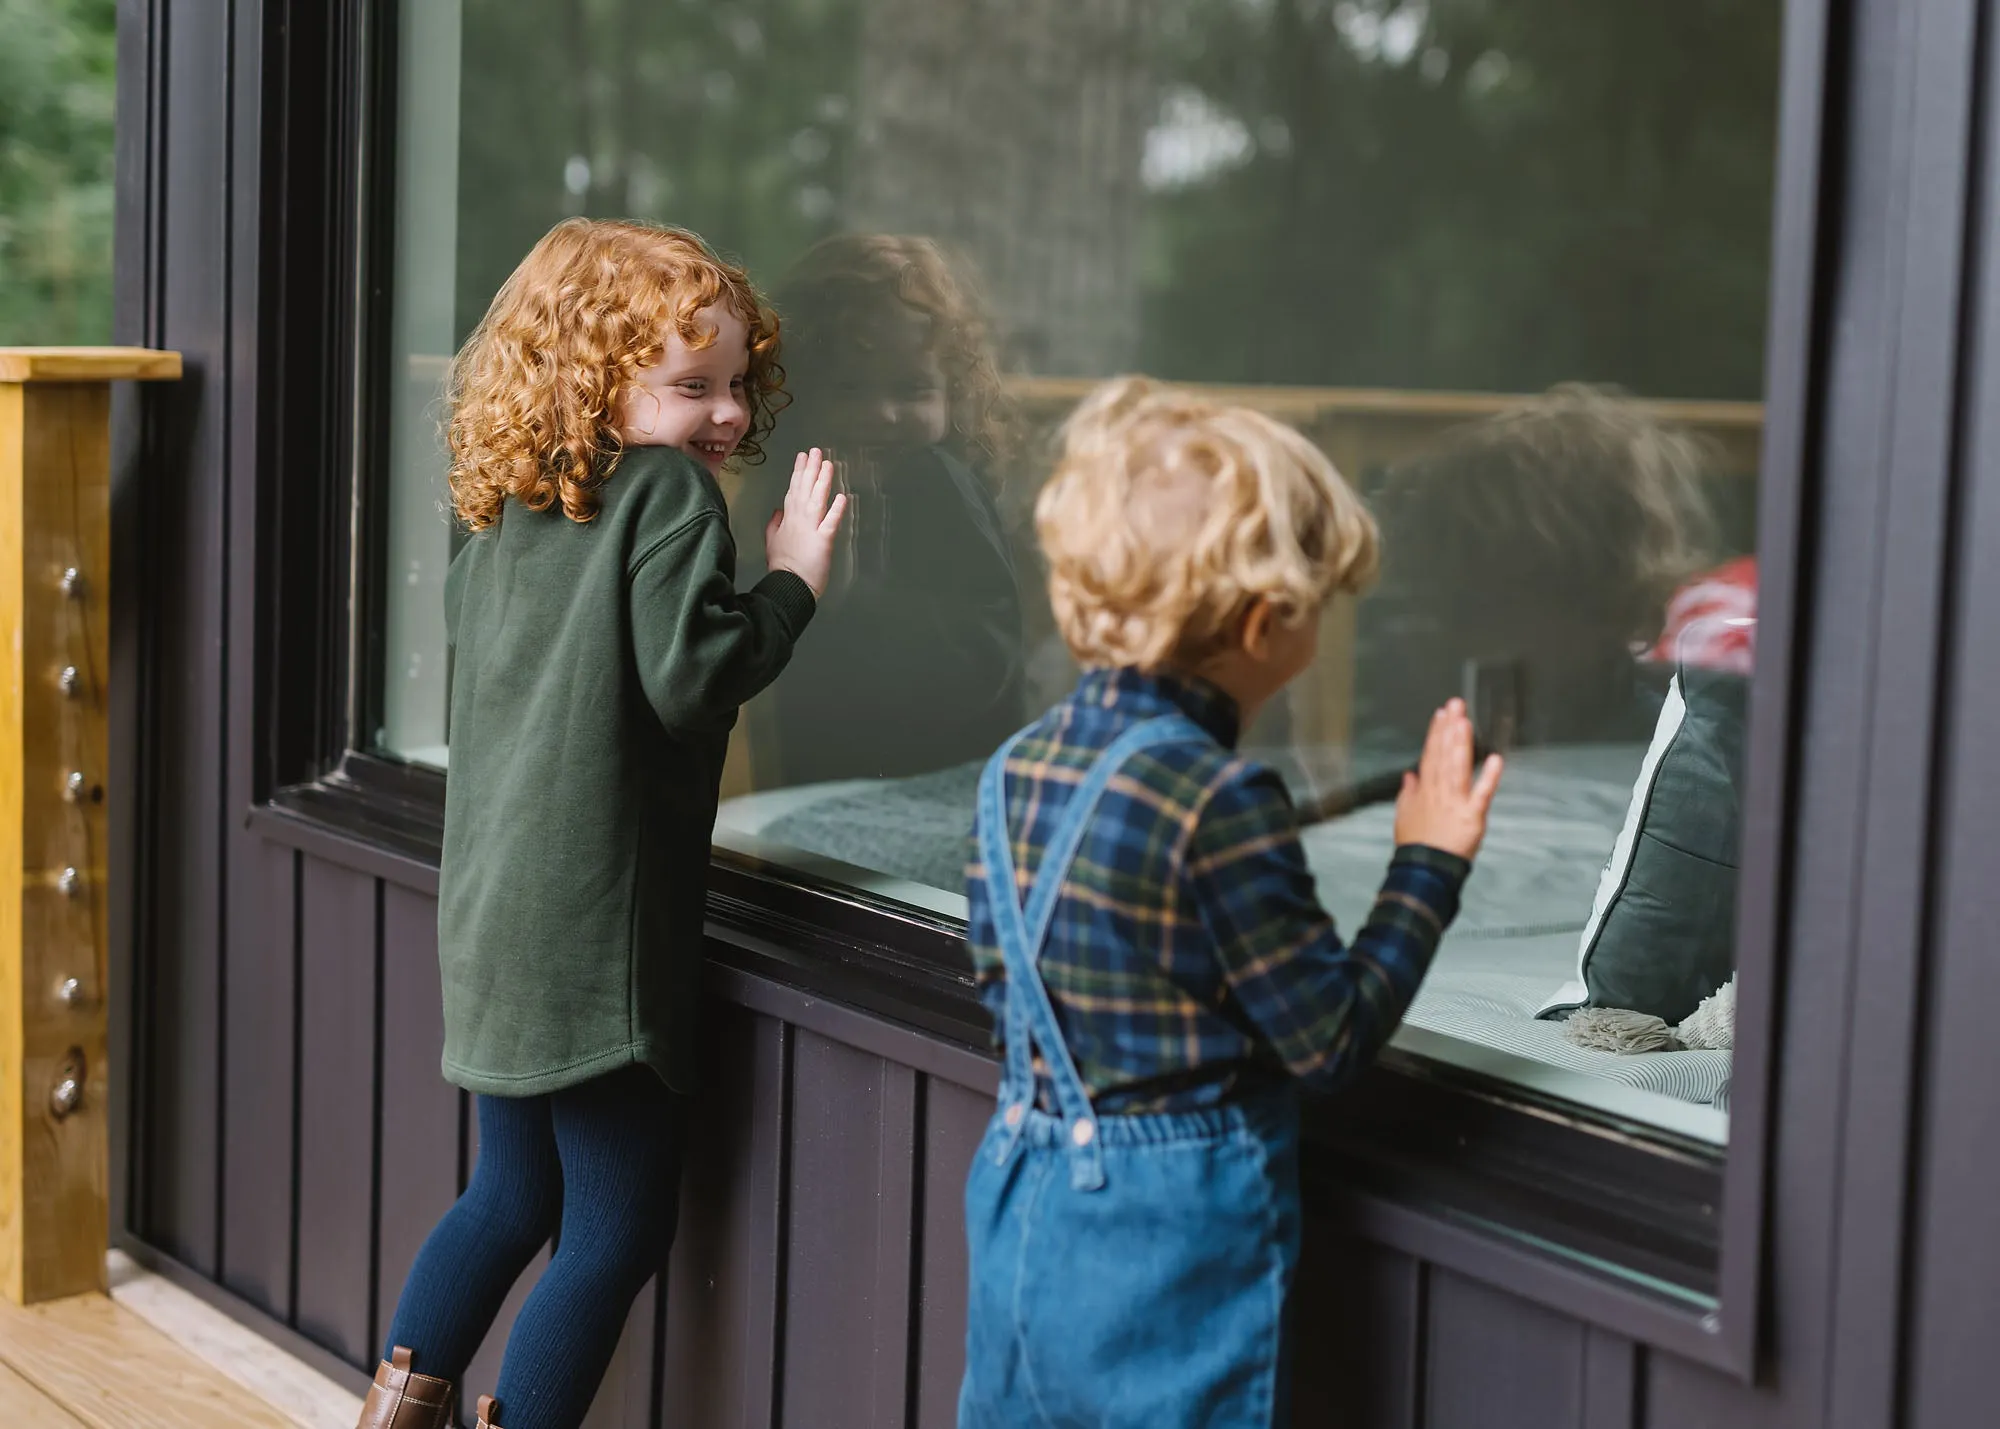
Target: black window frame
1646, 1233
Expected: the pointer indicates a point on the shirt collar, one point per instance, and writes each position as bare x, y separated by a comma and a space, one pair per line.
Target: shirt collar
1142, 695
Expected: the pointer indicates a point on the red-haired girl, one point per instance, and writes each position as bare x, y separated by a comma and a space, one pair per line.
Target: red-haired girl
600, 650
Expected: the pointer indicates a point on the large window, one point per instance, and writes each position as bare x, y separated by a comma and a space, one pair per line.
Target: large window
1505, 261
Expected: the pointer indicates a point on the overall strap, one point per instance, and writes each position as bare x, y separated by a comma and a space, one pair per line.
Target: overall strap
1031, 1017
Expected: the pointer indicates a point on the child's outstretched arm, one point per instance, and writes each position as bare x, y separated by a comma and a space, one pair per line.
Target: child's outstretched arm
703, 648
1326, 1007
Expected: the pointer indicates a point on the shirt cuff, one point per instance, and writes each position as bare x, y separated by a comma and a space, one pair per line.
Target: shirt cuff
1448, 866
793, 598
1432, 876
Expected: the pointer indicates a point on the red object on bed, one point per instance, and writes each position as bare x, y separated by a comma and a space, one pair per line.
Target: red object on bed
1712, 620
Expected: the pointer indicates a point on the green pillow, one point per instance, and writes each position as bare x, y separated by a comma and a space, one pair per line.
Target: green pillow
1662, 930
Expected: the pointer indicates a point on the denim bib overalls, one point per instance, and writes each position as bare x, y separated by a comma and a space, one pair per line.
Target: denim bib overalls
1124, 1270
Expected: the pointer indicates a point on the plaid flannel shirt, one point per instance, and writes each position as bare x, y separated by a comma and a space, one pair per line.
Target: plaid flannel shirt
1188, 957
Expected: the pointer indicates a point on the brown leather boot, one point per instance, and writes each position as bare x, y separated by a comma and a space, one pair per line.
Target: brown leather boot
489, 1412
403, 1399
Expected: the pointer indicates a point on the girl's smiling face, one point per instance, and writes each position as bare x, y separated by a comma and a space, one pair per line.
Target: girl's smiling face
692, 398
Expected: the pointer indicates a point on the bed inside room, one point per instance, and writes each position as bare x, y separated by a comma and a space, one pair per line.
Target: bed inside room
1515, 944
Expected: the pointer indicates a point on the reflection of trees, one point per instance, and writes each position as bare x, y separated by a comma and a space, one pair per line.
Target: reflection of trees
1013, 130
1480, 194
1484, 194
729, 117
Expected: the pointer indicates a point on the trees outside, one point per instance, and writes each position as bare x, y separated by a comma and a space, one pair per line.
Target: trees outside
1468, 194
1490, 194
56, 101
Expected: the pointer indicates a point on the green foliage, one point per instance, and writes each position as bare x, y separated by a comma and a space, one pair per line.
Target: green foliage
56, 100
1512, 193
1520, 192
1468, 194
729, 119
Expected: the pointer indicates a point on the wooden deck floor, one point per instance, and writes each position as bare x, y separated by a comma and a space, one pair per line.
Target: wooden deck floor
96, 1363
89, 1363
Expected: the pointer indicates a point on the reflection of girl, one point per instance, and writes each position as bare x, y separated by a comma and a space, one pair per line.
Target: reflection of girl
915, 659
1550, 538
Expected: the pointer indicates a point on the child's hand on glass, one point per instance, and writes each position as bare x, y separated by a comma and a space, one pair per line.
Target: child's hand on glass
800, 535
1442, 805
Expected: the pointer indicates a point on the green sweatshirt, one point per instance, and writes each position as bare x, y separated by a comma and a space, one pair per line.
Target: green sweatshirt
596, 672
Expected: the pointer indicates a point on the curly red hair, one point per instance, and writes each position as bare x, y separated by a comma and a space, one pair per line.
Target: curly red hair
534, 394
836, 290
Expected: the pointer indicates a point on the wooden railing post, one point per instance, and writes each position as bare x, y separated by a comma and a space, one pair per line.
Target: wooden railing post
55, 558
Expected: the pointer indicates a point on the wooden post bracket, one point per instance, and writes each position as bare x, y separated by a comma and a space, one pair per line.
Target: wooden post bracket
55, 569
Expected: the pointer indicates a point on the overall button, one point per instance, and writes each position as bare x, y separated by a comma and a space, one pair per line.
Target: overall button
1083, 1132
1013, 1116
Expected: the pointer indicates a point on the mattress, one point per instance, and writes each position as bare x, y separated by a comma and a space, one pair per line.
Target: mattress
1514, 943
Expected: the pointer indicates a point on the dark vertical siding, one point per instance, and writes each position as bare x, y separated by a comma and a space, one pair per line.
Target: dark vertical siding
1491, 1358
336, 1195
818, 1275
484, 1375
129, 845
1891, 907
721, 1358
257, 1107
1677, 1393
1610, 1380
953, 1122
1954, 1295
1366, 1354
420, 1110
838, 1323
182, 1085
626, 1399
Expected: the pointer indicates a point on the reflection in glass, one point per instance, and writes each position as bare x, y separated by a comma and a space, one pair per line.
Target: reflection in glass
1549, 539
1506, 263
915, 660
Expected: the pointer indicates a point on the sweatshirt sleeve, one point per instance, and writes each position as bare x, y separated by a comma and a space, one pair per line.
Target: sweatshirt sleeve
704, 648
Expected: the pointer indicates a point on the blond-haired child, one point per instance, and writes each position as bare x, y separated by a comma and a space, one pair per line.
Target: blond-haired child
1133, 1212
600, 652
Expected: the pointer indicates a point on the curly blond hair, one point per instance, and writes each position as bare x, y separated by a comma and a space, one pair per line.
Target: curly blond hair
830, 298
534, 394
1167, 516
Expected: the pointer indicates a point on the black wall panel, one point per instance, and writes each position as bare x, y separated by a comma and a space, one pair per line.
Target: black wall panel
954, 1120
259, 1058
188, 309
1493, 1360
419, 1110
721, 1347
337, 1014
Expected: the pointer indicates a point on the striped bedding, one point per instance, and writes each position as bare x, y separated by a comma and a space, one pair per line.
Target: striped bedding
1514, 943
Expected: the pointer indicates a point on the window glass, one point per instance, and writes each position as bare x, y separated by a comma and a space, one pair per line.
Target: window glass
1505, 261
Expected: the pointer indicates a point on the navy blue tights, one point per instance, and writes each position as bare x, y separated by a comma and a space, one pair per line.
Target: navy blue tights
602, 1161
